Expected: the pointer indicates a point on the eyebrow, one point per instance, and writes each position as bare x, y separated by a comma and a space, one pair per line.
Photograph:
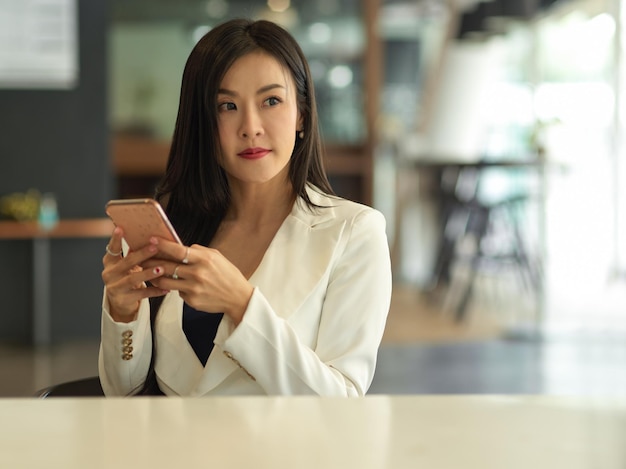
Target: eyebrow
261, 90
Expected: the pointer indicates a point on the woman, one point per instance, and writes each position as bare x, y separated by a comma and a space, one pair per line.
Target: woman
280, 288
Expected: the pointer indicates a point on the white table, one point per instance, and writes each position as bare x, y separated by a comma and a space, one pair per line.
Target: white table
307, 432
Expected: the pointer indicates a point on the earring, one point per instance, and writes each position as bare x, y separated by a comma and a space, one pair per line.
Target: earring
301, 134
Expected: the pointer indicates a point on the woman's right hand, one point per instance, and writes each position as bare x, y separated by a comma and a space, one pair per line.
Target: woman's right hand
125, 280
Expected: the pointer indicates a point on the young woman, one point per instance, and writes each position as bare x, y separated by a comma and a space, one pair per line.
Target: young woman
280, 288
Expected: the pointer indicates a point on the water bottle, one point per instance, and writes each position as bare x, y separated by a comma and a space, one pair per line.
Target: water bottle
48, 211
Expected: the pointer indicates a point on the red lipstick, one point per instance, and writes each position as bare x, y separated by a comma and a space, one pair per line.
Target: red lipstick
253, 153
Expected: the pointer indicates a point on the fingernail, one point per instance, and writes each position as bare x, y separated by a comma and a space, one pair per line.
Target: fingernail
117, 230
158, 270
152, 249
153, 240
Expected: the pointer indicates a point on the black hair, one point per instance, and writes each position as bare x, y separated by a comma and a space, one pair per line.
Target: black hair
194, 189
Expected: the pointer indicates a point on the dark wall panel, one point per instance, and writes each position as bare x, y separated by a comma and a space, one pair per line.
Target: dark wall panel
58, 141
76, 289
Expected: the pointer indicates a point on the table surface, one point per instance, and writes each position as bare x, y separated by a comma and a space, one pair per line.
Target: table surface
434, 432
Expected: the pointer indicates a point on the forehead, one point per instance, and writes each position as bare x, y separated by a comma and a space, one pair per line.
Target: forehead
256, 68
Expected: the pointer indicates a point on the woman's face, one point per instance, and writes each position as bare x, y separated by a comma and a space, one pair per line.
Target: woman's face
258, 119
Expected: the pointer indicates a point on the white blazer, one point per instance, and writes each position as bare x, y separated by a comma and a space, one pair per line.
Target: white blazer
313, 325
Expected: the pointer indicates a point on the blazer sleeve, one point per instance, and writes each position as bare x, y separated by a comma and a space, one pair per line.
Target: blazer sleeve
125, 351
353, 317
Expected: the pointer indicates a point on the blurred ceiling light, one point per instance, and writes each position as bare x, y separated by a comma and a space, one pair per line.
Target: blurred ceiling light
288, 19
340, 76
278, 5
216, 8
319, 33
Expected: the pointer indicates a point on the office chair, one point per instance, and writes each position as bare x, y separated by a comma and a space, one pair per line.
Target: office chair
86, 387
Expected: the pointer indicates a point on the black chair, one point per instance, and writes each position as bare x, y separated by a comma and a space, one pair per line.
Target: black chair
465, 216
86, 387
486, 258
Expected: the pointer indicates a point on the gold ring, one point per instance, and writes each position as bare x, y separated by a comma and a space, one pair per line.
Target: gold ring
175, 274
111, 253
186, 259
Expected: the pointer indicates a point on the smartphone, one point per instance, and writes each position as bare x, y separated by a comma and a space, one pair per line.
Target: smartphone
140, 219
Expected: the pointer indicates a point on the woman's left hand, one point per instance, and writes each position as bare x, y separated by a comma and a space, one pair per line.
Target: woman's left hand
204, 278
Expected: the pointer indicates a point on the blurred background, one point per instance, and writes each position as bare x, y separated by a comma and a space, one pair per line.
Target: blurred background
489, 133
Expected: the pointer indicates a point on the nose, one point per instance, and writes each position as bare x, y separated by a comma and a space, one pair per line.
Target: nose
251, 125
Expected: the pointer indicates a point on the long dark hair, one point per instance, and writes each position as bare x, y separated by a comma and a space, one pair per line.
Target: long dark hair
195, 189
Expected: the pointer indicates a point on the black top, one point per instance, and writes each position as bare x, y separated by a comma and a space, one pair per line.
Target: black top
200, 329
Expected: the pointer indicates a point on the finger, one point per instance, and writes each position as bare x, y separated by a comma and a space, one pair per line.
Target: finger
128, 269
115, 243
175, 251
151, 292
136, 258
134, 281
138, 278
172, 279
153, 262
128, 302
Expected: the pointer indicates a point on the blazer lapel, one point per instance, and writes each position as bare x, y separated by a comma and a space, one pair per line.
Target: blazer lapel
307, 239
177, 364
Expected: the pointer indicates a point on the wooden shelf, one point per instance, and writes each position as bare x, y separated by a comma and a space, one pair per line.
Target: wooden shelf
139, 156
139, 161
347, 160
79, 228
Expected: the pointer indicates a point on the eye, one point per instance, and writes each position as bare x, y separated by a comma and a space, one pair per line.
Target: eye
272, 101
228, 106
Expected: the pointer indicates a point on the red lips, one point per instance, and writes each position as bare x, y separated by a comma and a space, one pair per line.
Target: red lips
254, 153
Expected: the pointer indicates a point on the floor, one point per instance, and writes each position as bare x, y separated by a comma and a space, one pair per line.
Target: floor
503, 367
424, 351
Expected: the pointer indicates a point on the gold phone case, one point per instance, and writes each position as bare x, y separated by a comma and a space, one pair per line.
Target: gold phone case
140, 219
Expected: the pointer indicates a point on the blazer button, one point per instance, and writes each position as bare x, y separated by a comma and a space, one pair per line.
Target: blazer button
127, 356
126, 342
127, 334
127, 350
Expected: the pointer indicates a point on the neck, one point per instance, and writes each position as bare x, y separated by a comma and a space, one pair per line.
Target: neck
259, 204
